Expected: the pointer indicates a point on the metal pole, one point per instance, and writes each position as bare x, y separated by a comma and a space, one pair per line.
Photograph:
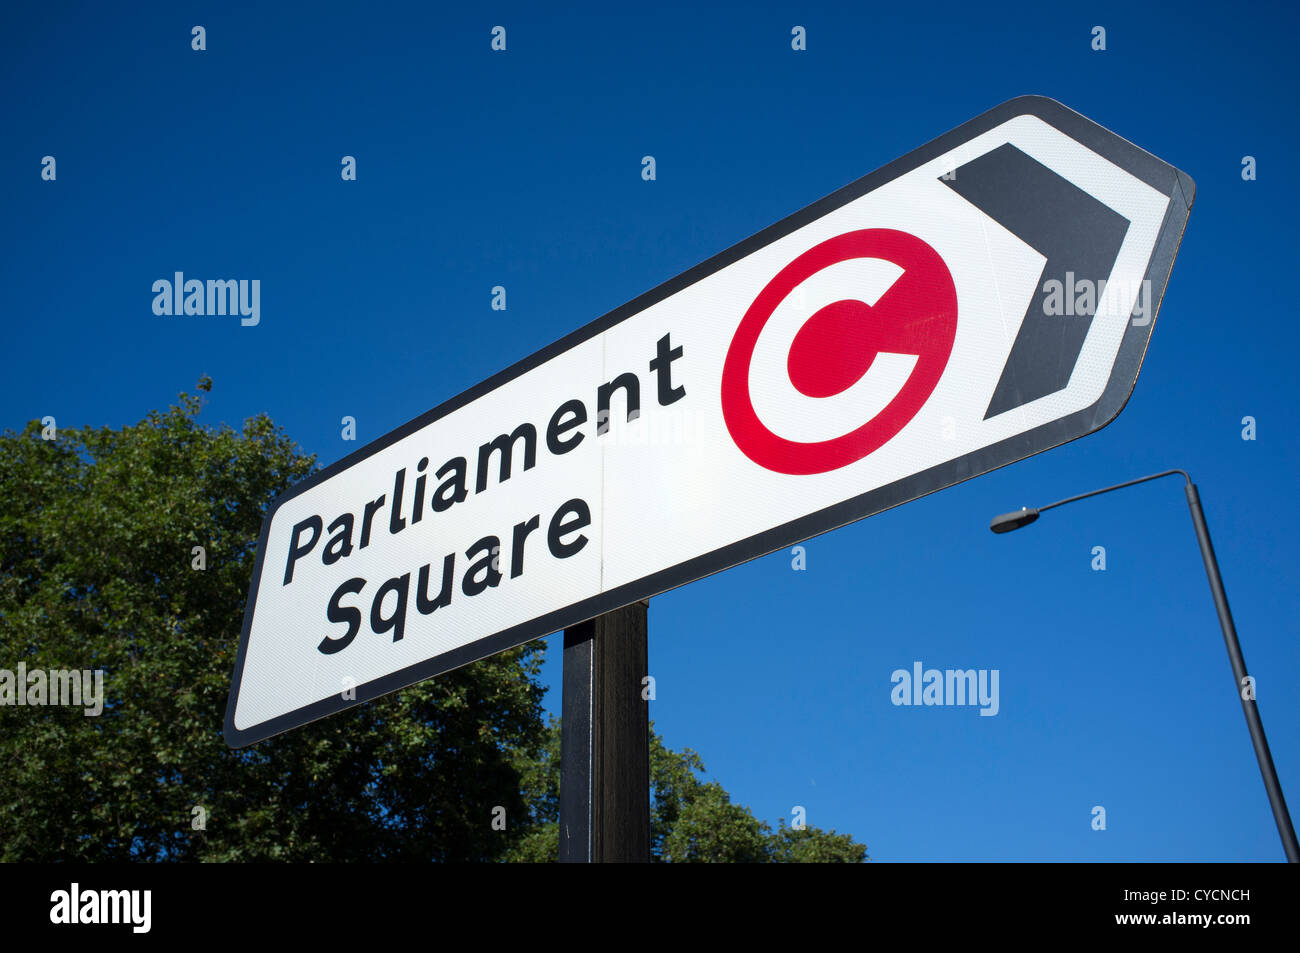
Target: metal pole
1010, 521
1280, 813
605, 740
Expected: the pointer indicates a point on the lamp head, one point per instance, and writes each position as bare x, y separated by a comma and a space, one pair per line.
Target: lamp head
1013, 520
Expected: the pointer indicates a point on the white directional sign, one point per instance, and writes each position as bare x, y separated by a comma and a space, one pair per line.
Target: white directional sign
982, 299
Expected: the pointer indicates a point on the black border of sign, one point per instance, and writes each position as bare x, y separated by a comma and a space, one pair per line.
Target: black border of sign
1141, 164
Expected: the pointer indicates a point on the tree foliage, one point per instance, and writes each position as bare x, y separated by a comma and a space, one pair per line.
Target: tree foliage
691, 820
97, 530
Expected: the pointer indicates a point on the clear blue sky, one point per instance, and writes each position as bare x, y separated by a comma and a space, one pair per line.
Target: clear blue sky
522, 169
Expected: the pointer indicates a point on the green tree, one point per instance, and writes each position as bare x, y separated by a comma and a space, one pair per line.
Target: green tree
97, 571
691, 820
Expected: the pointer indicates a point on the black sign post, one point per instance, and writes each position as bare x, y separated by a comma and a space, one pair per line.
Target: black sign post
605, 740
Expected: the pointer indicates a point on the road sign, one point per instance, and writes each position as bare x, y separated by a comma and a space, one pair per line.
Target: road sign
982, 299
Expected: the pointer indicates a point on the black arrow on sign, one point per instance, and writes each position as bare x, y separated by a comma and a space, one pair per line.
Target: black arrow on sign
1073, 231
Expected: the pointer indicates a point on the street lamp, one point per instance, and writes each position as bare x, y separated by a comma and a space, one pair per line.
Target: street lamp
1023, 517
